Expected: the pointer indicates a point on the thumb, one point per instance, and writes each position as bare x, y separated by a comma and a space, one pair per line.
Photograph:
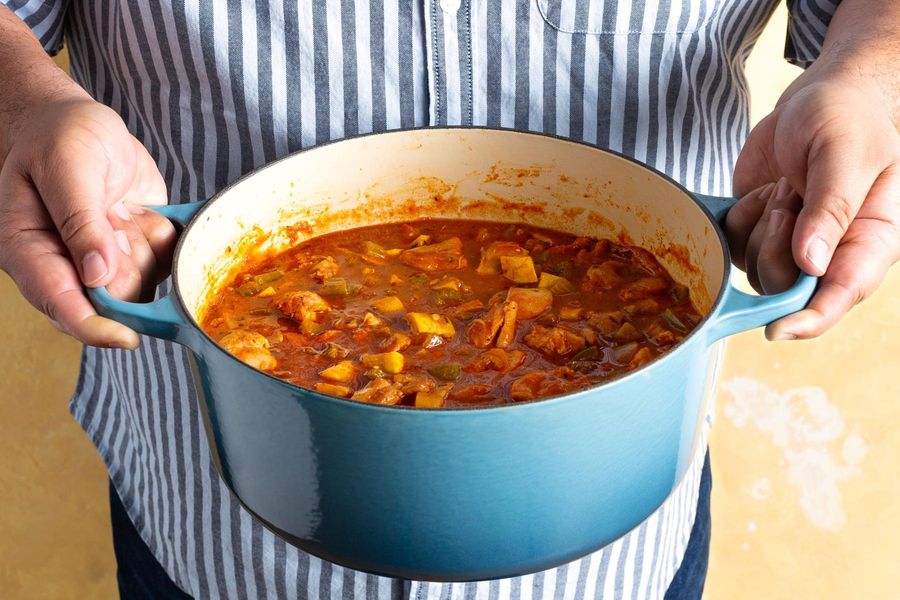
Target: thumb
840, 173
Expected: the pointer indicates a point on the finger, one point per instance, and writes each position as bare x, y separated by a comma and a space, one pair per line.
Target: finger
776, 270
755, 166
45, 276
74, 194
137, 251
779, 197
160, 234
783, 198
852, 277
840, 173
741, 220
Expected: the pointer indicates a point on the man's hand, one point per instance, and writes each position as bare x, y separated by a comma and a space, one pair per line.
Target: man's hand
71, 190
820, 185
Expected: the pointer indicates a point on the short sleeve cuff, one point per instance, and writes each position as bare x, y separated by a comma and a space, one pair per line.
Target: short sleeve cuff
807, 23
46, 18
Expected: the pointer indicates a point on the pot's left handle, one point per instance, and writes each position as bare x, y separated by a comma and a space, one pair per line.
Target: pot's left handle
740, 311
163, 318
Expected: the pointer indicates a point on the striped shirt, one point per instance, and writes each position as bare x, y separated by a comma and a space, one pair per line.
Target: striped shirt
216, 89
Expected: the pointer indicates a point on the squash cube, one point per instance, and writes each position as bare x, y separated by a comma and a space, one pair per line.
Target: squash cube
389, 362
341, 391
440, 325
342, 372
434, 399
388, 304
518, 269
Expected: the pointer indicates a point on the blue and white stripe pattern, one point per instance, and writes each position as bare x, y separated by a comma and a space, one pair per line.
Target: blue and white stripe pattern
215, 89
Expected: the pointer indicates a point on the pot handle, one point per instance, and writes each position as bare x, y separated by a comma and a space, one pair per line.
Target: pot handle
163, 318
740, 311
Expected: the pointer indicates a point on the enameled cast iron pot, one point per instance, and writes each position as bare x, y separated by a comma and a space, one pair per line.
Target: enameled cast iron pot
467, 493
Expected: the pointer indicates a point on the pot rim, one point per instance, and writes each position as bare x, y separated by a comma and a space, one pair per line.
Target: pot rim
610, 383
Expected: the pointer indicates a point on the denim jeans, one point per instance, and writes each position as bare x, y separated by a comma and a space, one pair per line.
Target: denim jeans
141, 576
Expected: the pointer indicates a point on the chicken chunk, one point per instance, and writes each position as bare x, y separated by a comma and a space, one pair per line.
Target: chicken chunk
249, 347
555, 341
443, 256
302, 305
542, 384
481, 331
643, 288
379, 391
507, 334
604, 276
497, 359
607, 323
412, 383
531, 301
324, 269
490, 256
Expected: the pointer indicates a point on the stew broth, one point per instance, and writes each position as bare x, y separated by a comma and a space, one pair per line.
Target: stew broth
439, 313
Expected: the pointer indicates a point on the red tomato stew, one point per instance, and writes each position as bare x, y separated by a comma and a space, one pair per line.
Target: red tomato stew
439, 313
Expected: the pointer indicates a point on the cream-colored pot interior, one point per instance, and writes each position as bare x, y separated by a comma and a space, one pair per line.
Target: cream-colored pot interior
451, 173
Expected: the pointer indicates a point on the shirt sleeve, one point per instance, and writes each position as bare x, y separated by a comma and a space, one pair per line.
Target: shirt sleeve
46, 19
807, 23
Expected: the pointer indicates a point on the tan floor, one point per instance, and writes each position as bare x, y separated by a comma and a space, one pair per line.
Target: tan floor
805, 452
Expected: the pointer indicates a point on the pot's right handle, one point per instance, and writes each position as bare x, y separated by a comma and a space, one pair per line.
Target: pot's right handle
163, 318
739, 311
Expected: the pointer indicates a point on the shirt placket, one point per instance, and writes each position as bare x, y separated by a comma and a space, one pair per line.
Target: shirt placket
449, 61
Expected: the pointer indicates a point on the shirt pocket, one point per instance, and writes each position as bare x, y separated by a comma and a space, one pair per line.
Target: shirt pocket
605, 17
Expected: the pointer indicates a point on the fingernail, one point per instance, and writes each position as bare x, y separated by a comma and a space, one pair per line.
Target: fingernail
121, 211
784, 336
766, 191
817, 254
135, 209
776, 220
782, 189
93, 267
122, 241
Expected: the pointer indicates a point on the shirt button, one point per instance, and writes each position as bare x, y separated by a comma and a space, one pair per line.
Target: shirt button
450, 6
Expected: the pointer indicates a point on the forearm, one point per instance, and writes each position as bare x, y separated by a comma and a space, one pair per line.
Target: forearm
28, 76
863, 40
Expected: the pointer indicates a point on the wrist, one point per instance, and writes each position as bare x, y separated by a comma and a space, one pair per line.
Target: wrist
42, 93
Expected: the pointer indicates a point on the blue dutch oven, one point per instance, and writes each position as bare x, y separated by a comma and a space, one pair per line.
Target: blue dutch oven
459, 494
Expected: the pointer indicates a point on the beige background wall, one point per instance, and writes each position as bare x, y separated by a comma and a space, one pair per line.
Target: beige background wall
806, 450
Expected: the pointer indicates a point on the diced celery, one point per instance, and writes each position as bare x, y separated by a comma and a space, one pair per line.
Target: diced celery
309, 327
589, 353
673, 320
373, 249
447, 297
336, 286
448, 372
335, 351
623, 354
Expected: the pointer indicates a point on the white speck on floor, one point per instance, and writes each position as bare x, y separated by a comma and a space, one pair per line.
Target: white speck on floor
810, 431
761, 489
751, 527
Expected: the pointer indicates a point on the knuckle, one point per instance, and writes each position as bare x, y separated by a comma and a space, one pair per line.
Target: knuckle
838, 209
75, 223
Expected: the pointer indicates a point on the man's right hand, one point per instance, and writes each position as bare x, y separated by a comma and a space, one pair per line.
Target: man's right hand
71, 189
